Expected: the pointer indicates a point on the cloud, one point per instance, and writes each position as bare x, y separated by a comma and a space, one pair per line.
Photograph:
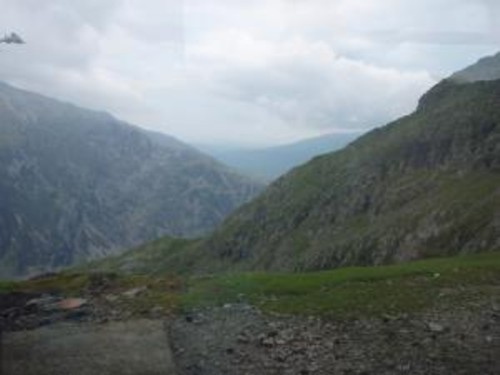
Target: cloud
245, 71
306, 83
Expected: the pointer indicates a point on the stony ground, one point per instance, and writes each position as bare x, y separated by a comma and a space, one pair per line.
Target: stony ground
238, 339
94, 333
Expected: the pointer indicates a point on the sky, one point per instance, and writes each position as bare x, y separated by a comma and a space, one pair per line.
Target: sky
244, 72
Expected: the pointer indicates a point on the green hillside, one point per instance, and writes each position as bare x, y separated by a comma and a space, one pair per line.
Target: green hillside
427, 184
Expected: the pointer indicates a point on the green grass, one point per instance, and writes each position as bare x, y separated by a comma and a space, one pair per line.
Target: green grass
7, 286
351, 292
342, 293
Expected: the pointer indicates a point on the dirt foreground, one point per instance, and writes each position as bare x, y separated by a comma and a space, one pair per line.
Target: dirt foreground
118, 348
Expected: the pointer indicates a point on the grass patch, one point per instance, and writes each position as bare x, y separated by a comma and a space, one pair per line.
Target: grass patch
7, 286
347, 292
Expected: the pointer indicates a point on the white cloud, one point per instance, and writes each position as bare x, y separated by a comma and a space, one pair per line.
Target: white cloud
306, 83
245, 71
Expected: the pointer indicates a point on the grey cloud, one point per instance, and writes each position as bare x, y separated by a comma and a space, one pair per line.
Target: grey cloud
435, 37
315, 88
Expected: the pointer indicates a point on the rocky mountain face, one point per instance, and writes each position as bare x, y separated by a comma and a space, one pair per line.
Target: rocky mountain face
77, 184
427, 184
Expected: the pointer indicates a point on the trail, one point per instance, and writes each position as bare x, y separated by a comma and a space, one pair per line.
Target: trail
118, 348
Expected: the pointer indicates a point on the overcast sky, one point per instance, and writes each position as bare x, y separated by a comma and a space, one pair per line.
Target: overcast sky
244, 71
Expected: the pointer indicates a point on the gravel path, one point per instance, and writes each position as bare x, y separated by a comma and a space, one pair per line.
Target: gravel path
120, 348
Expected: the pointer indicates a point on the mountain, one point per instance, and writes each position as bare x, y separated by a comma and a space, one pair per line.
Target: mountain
77, 184
425, 185
486, 69
269, 163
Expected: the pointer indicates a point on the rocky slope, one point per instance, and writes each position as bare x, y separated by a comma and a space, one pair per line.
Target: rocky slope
426, 184
77, 184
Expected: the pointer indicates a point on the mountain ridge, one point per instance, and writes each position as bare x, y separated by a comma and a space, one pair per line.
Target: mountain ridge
77, 183
315, 218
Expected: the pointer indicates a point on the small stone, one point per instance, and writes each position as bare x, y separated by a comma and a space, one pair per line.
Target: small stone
436, 327
243, 339
156, 311
273, 333
134, 292
44, 303
268, 342
72, 303
386, 318
111, 298
404, 367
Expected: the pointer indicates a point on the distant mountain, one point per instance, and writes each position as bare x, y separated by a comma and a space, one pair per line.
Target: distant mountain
77, 184
425, 185
269, 163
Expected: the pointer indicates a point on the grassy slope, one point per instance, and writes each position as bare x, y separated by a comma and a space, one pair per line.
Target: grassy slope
165, 255
344, 293
360, 291
400, 192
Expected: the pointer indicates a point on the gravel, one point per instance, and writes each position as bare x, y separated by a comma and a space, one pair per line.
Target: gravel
238, 339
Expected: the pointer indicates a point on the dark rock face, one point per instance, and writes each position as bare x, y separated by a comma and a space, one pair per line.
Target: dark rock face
77, 184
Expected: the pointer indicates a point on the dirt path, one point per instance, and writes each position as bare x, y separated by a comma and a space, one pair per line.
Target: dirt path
118, 348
